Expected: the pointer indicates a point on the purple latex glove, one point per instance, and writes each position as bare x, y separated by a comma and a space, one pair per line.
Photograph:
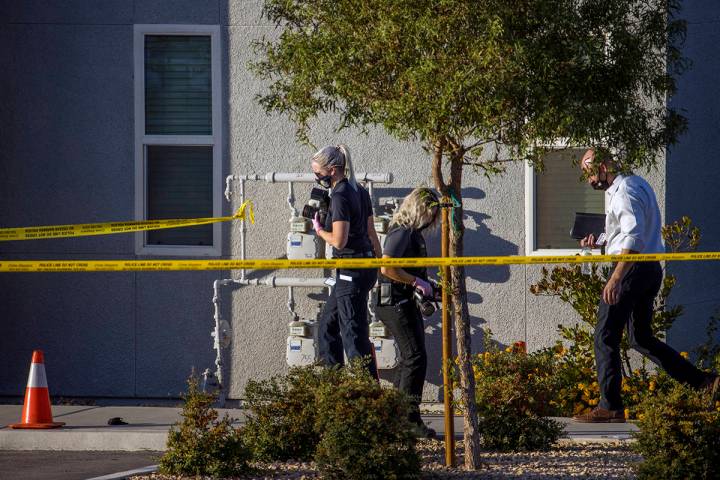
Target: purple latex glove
423, 286
317, 226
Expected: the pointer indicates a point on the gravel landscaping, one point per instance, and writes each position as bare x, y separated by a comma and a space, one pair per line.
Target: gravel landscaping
611, 460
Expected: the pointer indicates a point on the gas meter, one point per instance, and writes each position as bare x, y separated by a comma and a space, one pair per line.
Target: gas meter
301, 244
386, 350
301, 345
302, 341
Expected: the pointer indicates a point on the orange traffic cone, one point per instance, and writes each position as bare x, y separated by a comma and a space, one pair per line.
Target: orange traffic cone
36, 409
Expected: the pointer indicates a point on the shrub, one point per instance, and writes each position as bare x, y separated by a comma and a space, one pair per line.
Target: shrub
515, 391
340, 417
507, 430
678, 436
515, 379
282, 414
202, 444
365, 433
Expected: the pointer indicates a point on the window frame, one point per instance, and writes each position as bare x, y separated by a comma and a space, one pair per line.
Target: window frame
142, 140
531, 213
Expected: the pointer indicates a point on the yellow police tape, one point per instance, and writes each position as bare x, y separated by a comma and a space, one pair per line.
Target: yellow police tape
81, 230
176, 265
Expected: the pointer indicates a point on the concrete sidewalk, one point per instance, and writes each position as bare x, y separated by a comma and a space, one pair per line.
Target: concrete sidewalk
86, 428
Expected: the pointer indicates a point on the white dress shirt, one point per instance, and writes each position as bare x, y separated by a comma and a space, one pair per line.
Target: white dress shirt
632, 217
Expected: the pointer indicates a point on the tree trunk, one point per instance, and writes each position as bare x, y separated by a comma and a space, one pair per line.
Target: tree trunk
460, 311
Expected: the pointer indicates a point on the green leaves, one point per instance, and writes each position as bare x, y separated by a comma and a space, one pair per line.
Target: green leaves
201, 444
521, 73
678, 436
340, 417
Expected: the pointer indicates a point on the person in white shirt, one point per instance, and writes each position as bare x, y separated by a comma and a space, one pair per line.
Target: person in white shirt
632, 225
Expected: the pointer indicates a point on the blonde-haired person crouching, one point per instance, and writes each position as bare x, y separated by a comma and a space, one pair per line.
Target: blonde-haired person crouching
398, 310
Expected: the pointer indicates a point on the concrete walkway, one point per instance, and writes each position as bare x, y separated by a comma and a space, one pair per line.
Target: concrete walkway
86, 428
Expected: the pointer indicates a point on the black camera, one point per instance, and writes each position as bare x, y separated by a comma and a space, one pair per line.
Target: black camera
319, 203
428, 305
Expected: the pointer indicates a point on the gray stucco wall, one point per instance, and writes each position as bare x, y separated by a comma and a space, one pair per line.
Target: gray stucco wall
67, 157
693, 173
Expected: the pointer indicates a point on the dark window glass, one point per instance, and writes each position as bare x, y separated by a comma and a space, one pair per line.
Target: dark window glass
179, 185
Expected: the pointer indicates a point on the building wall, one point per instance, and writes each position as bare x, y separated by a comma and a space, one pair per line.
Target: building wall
692, 173
67, 157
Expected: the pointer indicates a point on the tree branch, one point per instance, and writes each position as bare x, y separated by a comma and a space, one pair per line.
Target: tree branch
438, 147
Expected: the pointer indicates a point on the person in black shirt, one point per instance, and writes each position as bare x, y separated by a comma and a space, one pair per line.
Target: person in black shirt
350, 230
398, 309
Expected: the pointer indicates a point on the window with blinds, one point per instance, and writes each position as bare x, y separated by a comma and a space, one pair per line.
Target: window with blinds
177, 70
558, 195
178, 97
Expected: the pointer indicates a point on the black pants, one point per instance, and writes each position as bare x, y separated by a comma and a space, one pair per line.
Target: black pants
406, 325
635, 309
344, 321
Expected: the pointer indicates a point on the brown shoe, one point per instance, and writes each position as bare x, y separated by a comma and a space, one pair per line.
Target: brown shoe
711, 385
601, 415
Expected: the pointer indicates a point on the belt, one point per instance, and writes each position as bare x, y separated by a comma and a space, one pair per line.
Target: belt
356, 255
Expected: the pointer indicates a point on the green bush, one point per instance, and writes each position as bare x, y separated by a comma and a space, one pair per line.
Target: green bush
515, 391
282, 414
365, 433
340, 417
678, 436
201, 444
507, 430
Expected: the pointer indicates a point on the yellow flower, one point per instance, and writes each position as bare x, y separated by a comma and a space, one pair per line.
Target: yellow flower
651, 387
581, 386
684, 354
627, 413
508, 349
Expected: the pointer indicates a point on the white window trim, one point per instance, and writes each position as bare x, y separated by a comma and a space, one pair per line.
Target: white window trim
141, 140
530, 218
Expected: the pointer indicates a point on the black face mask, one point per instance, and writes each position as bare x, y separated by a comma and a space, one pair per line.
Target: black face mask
600, 185
323, 180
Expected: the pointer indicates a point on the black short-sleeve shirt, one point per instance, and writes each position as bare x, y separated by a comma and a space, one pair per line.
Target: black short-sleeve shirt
355, 207
406, 242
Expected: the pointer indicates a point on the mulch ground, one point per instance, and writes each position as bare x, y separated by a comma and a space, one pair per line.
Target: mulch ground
611, 460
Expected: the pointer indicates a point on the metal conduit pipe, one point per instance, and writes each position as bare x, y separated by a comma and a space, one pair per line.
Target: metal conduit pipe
271, 281
277, 177
242, 230
216, 341
291, 303
280, 282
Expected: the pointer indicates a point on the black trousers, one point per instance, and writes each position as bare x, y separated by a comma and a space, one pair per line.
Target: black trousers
635, 310
406, 325
344, 321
